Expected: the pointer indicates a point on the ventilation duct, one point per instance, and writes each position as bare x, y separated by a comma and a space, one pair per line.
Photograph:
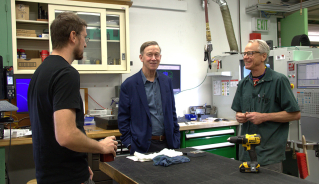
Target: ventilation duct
228, 25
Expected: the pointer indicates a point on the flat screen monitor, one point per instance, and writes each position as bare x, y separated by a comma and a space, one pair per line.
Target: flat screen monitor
244, 72
174, 72
22, 86
308, 75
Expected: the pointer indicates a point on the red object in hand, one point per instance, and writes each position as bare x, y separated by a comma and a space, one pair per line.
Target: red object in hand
106, 157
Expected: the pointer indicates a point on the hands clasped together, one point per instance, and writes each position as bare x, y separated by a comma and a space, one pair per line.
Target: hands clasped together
254, 117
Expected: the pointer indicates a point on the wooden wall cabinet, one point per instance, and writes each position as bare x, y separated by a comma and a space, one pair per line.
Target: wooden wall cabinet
108, 48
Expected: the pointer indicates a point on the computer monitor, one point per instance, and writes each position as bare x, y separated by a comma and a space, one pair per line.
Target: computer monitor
244, 72
174, 72
307, 76
22, 86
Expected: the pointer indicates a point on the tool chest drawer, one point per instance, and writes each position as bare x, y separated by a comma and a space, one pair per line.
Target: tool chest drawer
213, 140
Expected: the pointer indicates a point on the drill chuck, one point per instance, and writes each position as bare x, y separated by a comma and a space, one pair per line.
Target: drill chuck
237, 140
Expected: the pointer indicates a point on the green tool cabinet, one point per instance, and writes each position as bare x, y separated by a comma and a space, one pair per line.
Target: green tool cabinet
213, 140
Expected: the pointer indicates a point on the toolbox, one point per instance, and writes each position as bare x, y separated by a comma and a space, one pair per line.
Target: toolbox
106, 122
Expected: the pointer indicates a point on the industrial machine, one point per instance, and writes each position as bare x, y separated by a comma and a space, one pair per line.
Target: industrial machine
249, 142
304, 80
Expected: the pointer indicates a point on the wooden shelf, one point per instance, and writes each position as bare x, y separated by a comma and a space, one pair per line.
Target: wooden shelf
31, 38
32, 22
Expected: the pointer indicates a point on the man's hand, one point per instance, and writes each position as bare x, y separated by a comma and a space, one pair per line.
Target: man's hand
241, 117
91, 173
255, 117
109, 145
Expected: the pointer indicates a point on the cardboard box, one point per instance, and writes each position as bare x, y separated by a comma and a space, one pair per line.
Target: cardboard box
26, 31
32, 62
22, 12
32, 54
29, 64
27, 34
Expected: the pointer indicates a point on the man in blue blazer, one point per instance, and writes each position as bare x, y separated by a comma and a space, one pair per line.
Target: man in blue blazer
147, 115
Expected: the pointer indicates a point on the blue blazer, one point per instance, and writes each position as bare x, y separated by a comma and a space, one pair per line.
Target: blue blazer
134, 119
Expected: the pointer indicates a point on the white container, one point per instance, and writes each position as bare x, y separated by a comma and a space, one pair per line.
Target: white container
214, 66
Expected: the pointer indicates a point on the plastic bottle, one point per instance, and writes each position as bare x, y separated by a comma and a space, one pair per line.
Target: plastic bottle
40, 12
22, 54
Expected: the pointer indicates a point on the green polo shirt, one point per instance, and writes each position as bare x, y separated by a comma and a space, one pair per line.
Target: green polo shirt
271, 94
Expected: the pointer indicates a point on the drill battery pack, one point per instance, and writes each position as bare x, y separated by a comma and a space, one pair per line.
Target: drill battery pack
249, 167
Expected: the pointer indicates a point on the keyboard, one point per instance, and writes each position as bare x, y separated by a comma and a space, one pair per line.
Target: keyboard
5, 106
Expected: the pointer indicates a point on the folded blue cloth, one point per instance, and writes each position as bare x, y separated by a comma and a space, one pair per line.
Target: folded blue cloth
167, 161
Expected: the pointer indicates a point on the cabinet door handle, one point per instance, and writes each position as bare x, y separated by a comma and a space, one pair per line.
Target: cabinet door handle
212, 133
212, 146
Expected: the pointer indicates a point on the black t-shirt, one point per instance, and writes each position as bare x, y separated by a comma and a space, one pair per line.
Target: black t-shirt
54, 86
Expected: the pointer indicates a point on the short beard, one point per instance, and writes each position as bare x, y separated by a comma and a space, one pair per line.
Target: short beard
77, 54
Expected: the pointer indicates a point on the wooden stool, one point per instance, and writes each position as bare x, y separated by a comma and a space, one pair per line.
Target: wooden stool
34, 181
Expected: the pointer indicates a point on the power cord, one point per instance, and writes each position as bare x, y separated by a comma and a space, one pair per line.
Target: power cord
195, 86
96, 102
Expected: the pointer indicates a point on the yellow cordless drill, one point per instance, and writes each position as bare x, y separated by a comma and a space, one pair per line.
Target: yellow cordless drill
249, 142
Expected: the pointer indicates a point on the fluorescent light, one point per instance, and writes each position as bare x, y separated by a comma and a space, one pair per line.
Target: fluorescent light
87, 13
314, 38
112, 15
92, 28
59, 11
112, 28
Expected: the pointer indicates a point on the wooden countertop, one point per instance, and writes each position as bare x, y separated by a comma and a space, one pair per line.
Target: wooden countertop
95, 132
98, 133
91, 131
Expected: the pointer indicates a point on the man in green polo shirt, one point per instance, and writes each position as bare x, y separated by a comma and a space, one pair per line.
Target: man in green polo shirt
264, 104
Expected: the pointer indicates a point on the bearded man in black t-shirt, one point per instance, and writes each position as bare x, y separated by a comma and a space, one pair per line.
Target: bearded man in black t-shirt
56, 109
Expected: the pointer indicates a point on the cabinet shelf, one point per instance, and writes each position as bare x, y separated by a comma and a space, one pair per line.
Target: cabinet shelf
32, 22
220, 74
112, 26
31, 38
94, 40
113, 40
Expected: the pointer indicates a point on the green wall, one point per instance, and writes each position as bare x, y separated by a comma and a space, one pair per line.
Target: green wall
293, 25
5, 32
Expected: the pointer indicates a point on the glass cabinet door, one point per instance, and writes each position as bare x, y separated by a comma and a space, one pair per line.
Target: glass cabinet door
94, 57
116, 53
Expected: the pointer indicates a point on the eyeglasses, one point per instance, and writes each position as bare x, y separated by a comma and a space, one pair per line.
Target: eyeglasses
249, 53
87, 39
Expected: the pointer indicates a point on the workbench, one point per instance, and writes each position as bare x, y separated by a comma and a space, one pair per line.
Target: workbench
93, 132
206, 169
